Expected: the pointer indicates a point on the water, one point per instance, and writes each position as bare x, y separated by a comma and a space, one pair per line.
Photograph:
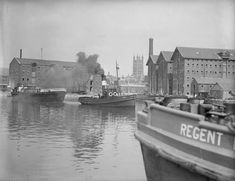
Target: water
68, 142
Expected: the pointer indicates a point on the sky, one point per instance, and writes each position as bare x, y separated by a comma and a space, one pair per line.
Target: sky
115, 30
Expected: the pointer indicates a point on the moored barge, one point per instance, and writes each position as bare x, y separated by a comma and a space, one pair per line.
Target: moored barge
35, 94
181, 145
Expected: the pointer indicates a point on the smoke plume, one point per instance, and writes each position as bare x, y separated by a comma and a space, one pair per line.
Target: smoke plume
76, 78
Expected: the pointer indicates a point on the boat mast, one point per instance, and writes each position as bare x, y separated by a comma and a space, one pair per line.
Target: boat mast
117, 68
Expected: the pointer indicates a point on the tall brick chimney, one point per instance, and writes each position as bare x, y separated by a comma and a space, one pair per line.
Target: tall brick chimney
20, 53
150, 46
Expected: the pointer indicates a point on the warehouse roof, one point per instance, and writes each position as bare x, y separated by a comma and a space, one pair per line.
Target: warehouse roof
167, 55
205, 53
26, 61
205, 80
152, 58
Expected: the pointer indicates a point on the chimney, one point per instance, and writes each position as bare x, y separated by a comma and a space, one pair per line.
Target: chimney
150, 46
20, 53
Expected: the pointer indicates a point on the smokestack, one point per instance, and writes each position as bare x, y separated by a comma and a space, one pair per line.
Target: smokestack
150, 46
20, 53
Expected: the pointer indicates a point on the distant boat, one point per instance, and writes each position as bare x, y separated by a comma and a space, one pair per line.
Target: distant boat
35, 94
184, 141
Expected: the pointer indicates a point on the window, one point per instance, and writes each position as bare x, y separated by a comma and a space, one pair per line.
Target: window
23, 79
187, 85
187, 93
27, 79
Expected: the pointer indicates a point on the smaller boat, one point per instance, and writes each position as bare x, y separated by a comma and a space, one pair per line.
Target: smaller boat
36, 94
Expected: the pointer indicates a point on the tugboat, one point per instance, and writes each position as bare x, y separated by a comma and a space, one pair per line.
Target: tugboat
181, 140
110, 97
36, 94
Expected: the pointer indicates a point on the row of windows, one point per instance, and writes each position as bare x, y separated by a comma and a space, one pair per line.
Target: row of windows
206, 65
25, 79
212, 61
211, 72
200, 86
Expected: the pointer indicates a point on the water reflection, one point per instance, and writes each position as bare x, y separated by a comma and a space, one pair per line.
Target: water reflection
56, 142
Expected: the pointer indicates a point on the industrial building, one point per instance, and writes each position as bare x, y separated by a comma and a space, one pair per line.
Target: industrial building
201, 63
164, 72
191, 71
31, 72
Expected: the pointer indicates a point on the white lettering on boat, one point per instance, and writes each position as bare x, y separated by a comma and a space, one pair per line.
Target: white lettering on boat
201, 134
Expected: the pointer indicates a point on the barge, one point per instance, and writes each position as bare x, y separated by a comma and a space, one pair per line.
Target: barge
35, 94
184, 141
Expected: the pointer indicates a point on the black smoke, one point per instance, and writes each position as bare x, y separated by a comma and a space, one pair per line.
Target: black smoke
75, 79
90, 62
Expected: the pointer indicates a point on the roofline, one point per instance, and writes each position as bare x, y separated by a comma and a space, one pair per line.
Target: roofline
18, 60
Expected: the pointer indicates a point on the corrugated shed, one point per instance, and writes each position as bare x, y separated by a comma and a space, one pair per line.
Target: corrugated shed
204, 53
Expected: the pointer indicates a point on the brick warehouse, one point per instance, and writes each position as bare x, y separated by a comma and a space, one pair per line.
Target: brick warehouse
196, 63
164, 70
25, 71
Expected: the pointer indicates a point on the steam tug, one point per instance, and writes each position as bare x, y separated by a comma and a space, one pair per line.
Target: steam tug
111, 96
183, 139
35, 94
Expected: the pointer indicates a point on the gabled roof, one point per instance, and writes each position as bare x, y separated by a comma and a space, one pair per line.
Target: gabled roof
204, 53
152, 58
26, 61
226, 84
167, 55
205, 80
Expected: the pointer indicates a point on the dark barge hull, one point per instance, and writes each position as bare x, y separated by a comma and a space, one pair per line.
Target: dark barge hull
116, 101
168, 155
53, 96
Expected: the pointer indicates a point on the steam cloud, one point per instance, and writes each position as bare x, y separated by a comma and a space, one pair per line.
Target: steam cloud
75, 79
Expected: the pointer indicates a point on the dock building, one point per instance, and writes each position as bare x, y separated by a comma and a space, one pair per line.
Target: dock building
201, 67
164, 71
29, 72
